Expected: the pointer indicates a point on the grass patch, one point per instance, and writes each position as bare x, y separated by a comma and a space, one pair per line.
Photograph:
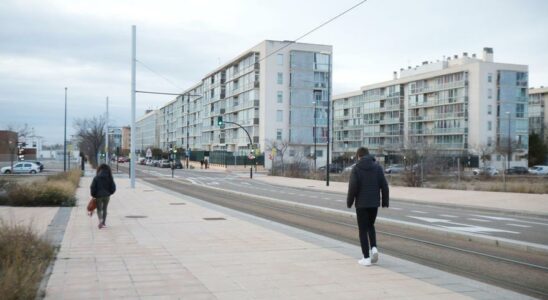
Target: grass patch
57, 190
23, 259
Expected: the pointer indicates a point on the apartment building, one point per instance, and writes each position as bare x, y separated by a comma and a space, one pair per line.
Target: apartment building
279, 91
146, 132
538, 114
458, 106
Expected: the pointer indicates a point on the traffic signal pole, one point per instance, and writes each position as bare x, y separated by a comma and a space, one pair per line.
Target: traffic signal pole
220, 122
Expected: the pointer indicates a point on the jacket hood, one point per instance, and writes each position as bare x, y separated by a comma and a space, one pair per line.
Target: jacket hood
366, 163
103, 174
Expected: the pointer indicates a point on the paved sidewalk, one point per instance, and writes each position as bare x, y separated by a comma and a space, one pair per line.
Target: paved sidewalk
510, 202
174, 253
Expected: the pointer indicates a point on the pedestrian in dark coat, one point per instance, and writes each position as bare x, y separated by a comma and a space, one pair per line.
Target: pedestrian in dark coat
102, 187
367, 184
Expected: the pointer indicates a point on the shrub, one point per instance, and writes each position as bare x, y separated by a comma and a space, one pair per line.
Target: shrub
57, 190
23, 260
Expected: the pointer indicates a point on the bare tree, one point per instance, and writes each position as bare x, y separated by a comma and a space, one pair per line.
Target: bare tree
91, 134
280, 147
484, 153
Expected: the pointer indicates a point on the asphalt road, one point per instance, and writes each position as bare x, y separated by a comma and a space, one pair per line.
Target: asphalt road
514, 227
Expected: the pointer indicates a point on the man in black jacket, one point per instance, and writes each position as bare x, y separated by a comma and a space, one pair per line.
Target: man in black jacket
366, 185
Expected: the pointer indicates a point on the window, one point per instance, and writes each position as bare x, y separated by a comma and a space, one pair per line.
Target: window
489, 77
489, 126
279, 134
489, 141
520, 110
498, 157
319, 153
279, 116
291, 153
280, 96
489, 93
280, 78
489, 109
280, 59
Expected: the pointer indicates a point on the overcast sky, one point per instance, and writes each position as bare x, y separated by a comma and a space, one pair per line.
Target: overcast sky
86, 46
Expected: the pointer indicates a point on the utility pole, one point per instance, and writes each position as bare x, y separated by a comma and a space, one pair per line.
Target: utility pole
508, 156
106, 138
132, 135
187, 129
65, 139
328, 118
314, 135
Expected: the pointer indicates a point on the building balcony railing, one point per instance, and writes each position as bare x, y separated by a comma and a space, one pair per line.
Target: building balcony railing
452, 146
437, 87
439, 102
438, 131
437, 117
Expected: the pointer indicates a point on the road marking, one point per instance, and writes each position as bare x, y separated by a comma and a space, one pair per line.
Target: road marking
519, 225
462, 227
395, 208
448, 216
479, 220
326, 198
419, 212
339, 200
514, 220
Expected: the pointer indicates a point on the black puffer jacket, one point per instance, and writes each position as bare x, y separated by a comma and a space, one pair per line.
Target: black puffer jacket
102, 185
366, 184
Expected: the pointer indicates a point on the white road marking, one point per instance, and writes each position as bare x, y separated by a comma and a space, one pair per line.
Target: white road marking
519, 225
326, 198
339, 200
419, 211
448, 216
479, 220
511, 219
394, 208
462, 227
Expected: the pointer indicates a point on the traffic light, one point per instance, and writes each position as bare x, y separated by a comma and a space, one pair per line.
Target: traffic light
220, 121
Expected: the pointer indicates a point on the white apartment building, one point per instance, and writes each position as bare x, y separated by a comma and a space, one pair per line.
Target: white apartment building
538, 114
279, 91
146, 129
459, 106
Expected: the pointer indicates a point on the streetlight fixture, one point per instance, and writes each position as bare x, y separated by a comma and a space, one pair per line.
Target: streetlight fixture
509, 150
314, 135
65, 136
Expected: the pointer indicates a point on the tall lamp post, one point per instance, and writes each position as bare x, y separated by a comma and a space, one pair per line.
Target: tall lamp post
314, 135
328, 119
65, 137
509, 150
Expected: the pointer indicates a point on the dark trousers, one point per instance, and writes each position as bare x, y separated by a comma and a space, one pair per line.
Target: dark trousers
366, 226
102, 204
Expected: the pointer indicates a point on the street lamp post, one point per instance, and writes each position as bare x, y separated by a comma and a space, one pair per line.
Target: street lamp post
314, 135
509, 150
65, 137
328, 119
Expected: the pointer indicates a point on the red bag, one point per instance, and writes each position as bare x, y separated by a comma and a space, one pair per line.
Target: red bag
92, 205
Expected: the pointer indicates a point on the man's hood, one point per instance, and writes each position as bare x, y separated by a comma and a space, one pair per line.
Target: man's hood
366, 163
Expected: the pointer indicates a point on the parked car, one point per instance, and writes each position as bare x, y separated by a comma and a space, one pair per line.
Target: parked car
165, 163
517, 170
491, 171
122, 159
393, 169
178, 165
333, 168
348, 169
142, 161
41, 165
539, 170
21, 167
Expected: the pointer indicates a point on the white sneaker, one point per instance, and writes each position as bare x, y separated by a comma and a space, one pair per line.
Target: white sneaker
365, 261
374, 255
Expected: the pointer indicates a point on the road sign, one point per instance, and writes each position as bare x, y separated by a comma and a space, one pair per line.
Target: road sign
149, 153
251, 156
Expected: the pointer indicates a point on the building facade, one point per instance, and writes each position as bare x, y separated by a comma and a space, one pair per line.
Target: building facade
538, 114
147, 132
279, 91
459, 106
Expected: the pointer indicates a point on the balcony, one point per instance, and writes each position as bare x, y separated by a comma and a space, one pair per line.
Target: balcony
438, 131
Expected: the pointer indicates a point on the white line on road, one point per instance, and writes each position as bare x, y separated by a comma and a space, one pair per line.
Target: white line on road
419, 212
395, 208
512, 219
449, 216
479, 220
518, 225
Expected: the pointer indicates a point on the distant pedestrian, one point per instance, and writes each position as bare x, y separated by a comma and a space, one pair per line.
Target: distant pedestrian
206, 163
201, 164
102, 187
366, 185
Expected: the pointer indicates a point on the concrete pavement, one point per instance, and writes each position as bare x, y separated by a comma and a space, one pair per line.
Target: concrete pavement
160, 245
